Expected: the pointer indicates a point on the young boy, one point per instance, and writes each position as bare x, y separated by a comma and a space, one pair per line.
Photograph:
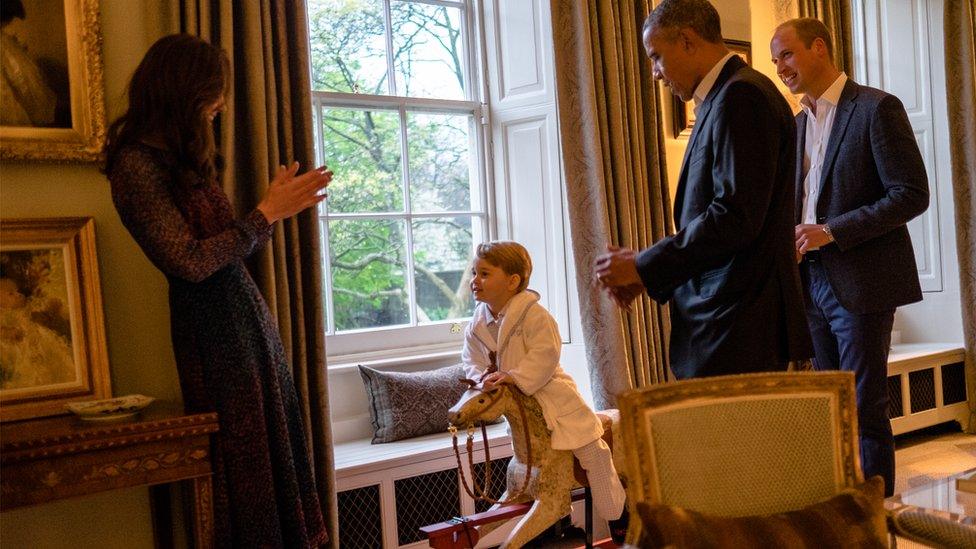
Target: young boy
510, 324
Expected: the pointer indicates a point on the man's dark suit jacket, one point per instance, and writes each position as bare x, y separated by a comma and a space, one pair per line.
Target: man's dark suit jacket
730, 271
872, 183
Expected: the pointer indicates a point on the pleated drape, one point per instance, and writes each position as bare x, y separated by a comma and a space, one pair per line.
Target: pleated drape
612, 145
836, 14
268, 123
960, 59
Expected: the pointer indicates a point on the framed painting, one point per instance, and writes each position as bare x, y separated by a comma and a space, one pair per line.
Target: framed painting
52, 333
684, 112
52, 104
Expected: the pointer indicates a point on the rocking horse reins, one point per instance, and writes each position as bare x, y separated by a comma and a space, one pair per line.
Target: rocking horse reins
480, 492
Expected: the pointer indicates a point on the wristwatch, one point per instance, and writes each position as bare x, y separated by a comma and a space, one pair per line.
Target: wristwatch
826, 230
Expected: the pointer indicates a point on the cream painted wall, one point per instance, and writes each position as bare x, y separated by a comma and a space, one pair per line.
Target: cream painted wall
133, 291
735, 15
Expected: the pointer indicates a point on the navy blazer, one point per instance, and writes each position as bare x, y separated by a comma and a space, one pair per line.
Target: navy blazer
872, 183
729, 271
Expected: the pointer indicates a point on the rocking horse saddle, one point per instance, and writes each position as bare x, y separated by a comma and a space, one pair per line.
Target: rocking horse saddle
607, 421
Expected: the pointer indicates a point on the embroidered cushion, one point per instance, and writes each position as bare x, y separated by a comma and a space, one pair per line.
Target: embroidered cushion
854, 518
410, 404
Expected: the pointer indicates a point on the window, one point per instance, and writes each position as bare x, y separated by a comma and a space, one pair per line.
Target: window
395, 98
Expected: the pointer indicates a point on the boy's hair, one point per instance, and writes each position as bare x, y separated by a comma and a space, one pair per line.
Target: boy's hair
509, 256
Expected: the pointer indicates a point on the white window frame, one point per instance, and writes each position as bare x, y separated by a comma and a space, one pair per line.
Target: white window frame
371, 344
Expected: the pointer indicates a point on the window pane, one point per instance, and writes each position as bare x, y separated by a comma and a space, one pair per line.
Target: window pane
428, 50
440, 163
362, 148
442, 258
348, 46
368, 275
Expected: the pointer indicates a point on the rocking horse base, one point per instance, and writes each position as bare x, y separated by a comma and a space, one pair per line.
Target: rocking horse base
461, 532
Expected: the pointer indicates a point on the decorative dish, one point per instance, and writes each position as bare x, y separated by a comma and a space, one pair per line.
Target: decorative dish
109, 408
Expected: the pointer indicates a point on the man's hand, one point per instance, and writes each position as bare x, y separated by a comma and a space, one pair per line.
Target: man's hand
624, 296
616, 272
810, 237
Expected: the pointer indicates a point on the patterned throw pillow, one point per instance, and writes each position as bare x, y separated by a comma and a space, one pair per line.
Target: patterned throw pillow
410, 404
854, 518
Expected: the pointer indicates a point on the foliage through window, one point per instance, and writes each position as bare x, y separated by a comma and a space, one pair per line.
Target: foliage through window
398, 121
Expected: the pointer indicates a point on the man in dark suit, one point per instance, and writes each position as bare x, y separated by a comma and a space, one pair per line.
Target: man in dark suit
860, 179
729, 271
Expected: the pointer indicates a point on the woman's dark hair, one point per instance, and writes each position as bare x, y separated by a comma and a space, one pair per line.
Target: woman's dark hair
179, 77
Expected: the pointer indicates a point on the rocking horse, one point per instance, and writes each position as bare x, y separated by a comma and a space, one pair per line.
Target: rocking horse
536, 473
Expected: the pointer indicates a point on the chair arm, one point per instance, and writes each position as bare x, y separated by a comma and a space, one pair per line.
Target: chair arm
929, 529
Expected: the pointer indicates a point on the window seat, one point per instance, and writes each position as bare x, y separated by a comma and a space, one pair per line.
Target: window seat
357, 457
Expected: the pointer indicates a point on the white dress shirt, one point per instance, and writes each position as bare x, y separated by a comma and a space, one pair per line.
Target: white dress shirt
705, 86
495, 322
820, 120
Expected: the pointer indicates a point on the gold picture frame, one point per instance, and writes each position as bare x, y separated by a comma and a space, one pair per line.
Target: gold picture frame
684, 111
54, 68
52, 332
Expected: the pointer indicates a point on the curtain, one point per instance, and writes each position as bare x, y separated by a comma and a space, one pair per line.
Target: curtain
612, 148
960, 71
268, 123
836, 14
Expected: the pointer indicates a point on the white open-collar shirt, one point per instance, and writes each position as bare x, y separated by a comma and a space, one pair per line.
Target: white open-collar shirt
820, 121
705, 86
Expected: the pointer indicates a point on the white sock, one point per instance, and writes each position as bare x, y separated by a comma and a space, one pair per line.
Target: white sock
608, 493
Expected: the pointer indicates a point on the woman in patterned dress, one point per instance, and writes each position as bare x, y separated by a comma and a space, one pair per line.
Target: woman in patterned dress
166, 185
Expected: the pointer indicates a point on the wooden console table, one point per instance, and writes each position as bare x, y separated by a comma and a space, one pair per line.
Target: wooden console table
54, 458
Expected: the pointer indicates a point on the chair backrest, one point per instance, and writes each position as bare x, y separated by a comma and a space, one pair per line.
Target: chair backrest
744, 444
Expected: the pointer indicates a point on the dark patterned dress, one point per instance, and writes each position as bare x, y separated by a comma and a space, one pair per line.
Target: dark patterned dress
228, 351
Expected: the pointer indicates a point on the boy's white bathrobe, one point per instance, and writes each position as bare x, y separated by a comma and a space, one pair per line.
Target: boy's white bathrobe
528, 349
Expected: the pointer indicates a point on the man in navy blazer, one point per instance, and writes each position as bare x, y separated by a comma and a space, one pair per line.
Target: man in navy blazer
729, 271
860, 179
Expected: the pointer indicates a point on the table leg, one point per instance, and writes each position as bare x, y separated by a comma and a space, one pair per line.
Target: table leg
203, 521
160, 505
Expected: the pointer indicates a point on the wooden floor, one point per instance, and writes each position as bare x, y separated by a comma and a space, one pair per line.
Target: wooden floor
931, 454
